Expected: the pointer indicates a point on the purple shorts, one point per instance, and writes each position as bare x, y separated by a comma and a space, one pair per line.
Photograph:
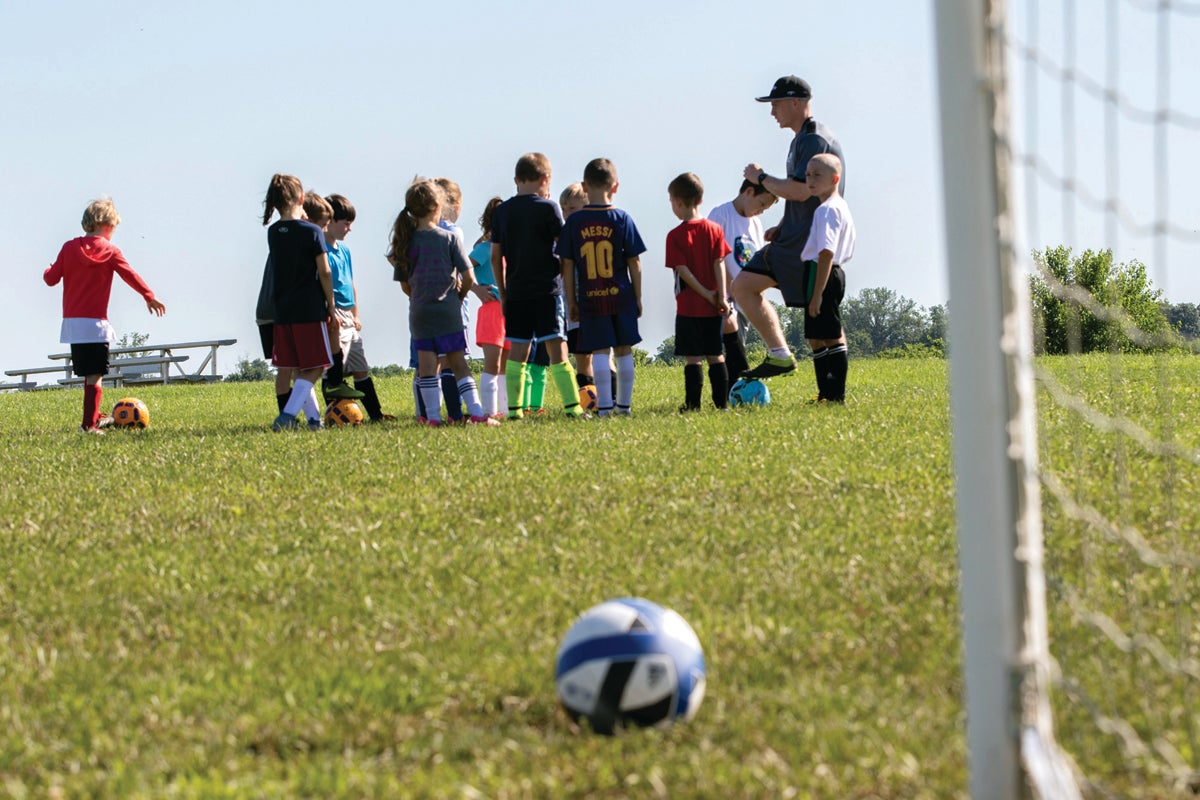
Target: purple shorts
450, 343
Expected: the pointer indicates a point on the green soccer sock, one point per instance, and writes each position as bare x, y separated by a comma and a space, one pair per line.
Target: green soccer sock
514, 381
564, 379
537, 386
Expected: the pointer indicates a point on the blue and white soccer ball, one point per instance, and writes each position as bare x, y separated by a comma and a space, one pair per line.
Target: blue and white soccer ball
630, 661
749, 392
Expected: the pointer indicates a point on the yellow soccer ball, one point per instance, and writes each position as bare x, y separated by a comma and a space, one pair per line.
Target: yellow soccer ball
587, 398
343, 412
131, 413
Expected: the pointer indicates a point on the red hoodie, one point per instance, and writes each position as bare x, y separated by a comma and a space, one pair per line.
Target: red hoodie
86, 266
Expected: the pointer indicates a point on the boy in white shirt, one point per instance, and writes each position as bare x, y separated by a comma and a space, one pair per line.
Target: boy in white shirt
830, 245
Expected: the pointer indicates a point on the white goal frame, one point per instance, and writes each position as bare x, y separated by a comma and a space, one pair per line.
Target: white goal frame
1006, 660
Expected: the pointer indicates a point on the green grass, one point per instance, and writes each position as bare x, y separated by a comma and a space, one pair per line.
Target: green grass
206, 609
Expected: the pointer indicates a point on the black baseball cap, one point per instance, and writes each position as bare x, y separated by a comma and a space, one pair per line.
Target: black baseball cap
788, 86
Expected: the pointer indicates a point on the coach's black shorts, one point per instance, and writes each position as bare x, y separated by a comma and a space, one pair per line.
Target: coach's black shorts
89, 359
698, 336
793, 281
266, 334
532, 319
827, 324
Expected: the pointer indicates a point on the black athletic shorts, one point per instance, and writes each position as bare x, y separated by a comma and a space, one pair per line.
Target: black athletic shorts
90, 358
827, 324
532, 319
698, 336
266, 333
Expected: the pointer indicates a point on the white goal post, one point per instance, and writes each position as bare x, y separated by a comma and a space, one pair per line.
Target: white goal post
1012, 752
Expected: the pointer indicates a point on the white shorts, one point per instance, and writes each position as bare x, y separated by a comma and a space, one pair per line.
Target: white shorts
355, 359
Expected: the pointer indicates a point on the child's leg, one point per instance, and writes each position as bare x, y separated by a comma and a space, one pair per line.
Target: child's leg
93, 391
501, 384
457, 362
301, 389
283, 387
584, 370
838, 358
563, 376
604, 392
537, 376
820, 366
718, 379
625, 375
514, 378
693, 383
429, 385
735, 350
366, 384
488, 379
450, 390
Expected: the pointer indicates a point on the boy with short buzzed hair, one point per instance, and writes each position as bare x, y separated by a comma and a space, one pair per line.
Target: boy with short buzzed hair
333, 384
600, 248
345, 298
524, 231
740, 218
830, 244
696, 250
86, 266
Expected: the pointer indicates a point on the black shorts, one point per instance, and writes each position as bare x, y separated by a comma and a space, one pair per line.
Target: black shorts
90, 358
698, 336
794, 281
827, 324
266, 333
532, 319
572, 340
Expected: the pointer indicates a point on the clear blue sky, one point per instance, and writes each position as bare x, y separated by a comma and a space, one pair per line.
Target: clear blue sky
181, 112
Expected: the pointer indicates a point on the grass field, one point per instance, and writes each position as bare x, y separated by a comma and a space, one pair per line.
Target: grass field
206, 609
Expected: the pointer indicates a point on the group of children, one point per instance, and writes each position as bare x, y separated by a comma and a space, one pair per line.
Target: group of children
552, 279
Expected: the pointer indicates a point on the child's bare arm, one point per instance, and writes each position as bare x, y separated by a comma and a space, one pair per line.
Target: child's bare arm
635, 277
824, 267
693, 283
568, 278
467, 281
722, 297
498, 269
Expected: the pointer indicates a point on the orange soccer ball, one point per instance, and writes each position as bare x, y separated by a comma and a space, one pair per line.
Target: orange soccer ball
131, 413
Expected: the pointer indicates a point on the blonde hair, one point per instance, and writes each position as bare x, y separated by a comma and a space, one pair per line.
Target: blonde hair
573, 192
831, 163
283, 193
450, 191
422, 199
98, 214
317, 209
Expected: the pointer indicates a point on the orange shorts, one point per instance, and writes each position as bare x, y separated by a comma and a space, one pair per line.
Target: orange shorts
489, 327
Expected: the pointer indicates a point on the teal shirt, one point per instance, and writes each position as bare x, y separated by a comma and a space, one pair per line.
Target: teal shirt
484, 276
343, 275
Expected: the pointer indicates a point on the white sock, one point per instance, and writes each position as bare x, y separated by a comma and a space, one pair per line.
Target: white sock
604, 398
470, 396
299, 396
431, 393
487, 393
311, 409
501, 394
416, 387
624, 382
779, 352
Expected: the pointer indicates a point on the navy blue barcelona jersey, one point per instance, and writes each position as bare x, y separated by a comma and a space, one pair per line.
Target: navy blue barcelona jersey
295, 245
526, 227
601, 240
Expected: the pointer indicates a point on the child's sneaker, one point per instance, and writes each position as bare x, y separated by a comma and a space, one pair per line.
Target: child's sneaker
105, 421
431, 423
490, 422
622, 412
770, 367
92, 431
516, 414
316, 425
575, 412
342, 391
284, 423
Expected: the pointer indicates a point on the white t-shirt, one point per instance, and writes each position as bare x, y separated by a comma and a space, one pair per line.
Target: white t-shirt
832, 229
744, 235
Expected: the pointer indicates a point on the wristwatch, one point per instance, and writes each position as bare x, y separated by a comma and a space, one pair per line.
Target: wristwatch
762, 176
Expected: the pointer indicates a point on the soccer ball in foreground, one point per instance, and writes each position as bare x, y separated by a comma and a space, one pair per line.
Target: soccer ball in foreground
749, 392
587, 398
630, 661
343, 412
131, 413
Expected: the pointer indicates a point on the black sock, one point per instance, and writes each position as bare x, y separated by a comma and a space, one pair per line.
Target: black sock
839, 364
370, 400
451, 396
613, 377
281, 400
335, 374
584, 380
693, 385
820, 368
718, 377
735, 354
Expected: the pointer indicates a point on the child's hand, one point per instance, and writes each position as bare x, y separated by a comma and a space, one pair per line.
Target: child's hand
814, 307
573, 311
357, 323
156, 308
771, 233
721, 303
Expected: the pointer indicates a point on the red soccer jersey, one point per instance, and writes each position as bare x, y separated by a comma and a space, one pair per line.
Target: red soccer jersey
697, 244
86, 266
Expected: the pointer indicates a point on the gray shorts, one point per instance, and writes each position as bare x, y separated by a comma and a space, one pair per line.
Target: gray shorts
355, 360
792, 278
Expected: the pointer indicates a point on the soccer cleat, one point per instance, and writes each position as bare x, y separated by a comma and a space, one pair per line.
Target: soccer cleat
105, 421
771, 367
431, 423
383, 418
284, 423
342, 391
575, 412
485, 420
315, 425
92, 431
622, 412
686, 409
516, 413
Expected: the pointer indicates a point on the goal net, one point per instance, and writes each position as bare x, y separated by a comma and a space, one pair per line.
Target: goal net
1071, 146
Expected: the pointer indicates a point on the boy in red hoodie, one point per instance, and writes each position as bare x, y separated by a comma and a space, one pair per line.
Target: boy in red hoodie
86, 266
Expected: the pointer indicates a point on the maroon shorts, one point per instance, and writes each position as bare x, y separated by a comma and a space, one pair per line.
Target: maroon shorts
302, 345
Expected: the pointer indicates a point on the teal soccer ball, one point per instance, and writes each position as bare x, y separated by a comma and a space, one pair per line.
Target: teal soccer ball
749, 392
